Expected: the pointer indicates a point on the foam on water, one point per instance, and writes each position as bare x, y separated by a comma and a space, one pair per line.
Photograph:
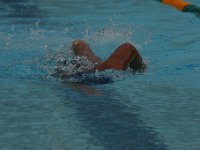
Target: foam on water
42, 64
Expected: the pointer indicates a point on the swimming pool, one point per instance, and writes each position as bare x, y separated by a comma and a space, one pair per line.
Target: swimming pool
155, 110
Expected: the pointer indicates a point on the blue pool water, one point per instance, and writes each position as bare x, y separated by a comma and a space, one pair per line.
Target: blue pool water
154, 110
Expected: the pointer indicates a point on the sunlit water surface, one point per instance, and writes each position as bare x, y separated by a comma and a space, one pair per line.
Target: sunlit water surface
154, 110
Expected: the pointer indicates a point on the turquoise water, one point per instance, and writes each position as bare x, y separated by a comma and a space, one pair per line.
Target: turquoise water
155, 110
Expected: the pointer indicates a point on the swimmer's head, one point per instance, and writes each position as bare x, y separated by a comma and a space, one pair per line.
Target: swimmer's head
135, 61
137, 64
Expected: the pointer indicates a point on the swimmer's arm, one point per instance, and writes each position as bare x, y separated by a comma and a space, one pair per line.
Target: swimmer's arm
85, 88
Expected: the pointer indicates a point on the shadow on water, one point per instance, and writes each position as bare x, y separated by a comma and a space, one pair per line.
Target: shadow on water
113, 126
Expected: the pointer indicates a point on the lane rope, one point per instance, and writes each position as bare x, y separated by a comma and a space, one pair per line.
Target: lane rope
183, 6
178, 4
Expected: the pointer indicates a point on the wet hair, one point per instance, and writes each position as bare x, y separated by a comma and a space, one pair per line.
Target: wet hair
137, 64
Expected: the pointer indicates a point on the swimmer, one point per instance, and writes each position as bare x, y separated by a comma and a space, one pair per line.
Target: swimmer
85, 61
124, 56
183, 6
